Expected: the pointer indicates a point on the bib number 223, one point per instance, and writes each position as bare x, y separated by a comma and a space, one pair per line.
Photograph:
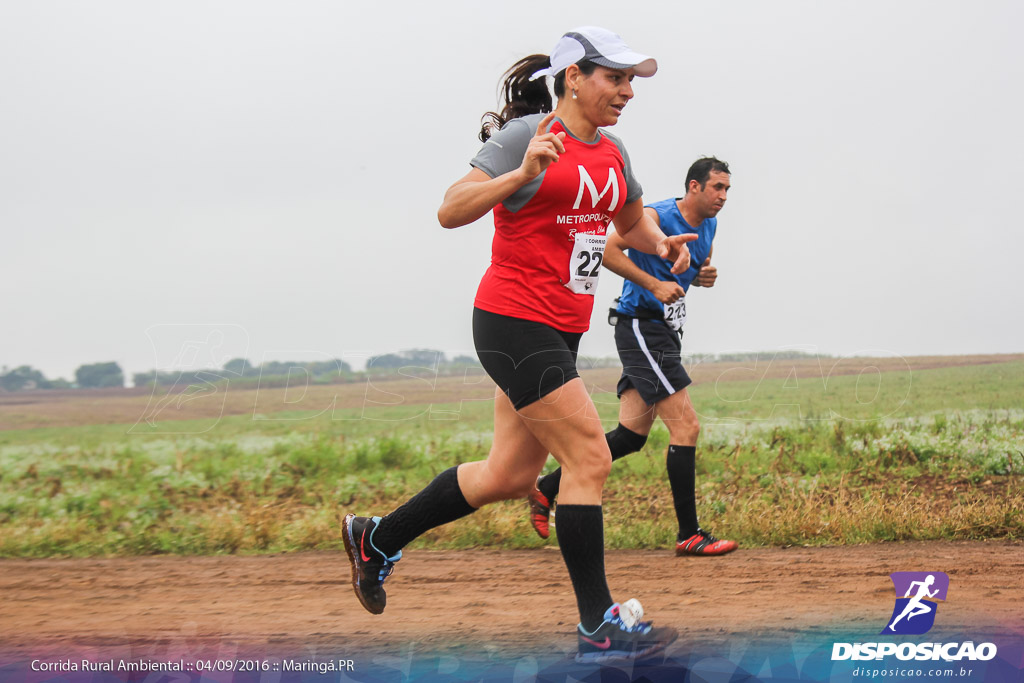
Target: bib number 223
675, 314
585, 263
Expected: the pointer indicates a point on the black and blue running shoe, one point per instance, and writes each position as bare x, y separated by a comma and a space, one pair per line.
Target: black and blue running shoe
369, 565
616, 639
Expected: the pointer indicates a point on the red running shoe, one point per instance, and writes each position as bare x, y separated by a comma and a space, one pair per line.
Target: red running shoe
540, 513
703, 543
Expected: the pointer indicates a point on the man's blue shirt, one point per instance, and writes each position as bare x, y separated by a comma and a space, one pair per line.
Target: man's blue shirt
634, 296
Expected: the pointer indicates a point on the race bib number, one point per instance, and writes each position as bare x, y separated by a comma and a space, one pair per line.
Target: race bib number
675, 314
585, 263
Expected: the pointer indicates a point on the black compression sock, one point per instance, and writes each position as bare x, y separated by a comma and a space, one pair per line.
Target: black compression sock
621, 442
580, 531
439, 503
549, 484
681, 462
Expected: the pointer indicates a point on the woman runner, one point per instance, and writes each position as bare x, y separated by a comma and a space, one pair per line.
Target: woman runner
554, 180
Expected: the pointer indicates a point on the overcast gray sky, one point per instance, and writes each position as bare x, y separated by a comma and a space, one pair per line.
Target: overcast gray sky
261, 179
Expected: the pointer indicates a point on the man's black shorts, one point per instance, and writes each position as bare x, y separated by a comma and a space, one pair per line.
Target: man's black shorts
526, 359
652, 364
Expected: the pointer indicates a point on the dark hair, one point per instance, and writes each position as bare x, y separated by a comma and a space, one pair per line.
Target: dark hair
523, 96
702, 169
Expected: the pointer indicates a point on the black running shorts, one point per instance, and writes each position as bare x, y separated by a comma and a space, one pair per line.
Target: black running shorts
527, 360
652, 364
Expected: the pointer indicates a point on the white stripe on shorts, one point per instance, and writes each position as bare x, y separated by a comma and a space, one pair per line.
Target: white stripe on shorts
654, 366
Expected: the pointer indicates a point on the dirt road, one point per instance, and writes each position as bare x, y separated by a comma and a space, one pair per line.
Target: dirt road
482, 599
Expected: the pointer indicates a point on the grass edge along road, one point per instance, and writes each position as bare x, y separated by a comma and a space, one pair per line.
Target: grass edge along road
934, 454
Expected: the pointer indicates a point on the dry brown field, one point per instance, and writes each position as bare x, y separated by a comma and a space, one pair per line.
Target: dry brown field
34, 409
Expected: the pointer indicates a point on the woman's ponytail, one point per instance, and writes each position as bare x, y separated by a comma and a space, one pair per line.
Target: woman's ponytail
522, 96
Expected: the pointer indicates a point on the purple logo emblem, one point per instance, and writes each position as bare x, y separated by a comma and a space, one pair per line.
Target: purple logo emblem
916, 596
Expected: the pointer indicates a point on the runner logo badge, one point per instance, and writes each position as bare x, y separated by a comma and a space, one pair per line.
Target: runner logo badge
916, 596
914, 614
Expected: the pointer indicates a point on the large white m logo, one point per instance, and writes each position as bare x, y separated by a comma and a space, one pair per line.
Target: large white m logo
588, 182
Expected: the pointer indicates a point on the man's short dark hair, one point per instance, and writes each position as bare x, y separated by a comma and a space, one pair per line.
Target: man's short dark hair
702, 169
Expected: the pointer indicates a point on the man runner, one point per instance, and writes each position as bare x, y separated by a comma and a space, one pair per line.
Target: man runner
651, 313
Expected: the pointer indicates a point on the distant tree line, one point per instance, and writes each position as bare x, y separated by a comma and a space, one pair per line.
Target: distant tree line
241, 369
241, 372
26, 377
92, 376
787, 354
430, 359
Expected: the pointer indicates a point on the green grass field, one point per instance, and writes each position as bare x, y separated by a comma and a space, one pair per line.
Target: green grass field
933, 454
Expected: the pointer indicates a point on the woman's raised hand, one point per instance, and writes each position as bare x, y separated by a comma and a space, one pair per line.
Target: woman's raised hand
543, 149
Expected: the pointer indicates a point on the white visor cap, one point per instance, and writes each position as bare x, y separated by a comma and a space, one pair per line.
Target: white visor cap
597, 45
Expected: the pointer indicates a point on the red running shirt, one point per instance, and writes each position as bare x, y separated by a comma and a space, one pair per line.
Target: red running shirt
547, 252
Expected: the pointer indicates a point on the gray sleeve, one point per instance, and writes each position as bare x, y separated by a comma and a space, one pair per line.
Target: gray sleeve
505, 150
633, 189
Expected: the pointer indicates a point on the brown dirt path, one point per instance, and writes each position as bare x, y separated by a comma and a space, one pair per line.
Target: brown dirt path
481, 598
